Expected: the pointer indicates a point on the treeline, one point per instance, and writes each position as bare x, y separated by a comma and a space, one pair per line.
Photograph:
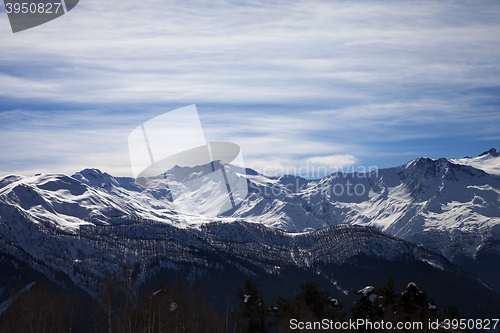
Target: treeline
118, 308
314, 310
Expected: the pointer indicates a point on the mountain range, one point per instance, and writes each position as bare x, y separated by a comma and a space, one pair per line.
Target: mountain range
436, 221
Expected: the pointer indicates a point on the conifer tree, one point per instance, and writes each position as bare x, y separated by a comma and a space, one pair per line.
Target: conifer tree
251, 316
415, 305
386, 301
310, 305
367, 307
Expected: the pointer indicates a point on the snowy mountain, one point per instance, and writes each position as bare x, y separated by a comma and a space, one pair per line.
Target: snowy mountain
489, 161
419, 197
449, 206
221, 255
436, 203
425, 212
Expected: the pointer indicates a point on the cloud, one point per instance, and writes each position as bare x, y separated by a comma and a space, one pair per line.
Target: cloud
229, 52
337, 161
62, 141
284, 80
313, 167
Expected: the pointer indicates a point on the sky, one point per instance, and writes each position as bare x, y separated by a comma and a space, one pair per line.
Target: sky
298, 85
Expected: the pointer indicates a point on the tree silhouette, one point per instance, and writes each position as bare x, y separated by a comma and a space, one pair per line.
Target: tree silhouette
252, 315
310, 305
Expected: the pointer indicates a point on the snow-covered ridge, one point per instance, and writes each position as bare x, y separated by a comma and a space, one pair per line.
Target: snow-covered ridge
489, 161
436, 203
87, 253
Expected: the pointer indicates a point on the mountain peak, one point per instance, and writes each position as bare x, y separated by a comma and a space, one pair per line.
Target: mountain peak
493, 152
95, 177
425, 162
489, 161
93, 172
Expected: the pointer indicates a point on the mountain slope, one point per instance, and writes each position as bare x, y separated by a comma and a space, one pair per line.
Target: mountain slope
223, 254
447, 207
429, 202
489, 161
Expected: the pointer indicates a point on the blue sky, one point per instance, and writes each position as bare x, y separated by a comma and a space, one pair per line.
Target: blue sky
335, 83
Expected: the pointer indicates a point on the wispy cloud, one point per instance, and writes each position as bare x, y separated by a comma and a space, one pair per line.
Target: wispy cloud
333, 160
230, 52
287, 81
